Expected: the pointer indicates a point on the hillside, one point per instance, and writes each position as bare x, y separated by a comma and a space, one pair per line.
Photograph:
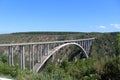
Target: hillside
104, 63
103, 45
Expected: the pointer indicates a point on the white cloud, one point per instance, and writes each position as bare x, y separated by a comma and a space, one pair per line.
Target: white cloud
102, 27
116, 26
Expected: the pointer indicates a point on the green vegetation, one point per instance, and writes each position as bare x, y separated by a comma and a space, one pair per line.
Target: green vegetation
104, 63
85, 69
3, 58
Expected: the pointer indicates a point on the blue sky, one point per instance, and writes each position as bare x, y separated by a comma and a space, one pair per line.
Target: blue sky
59, 15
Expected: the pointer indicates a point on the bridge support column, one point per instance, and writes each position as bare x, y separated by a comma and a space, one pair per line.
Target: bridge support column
38, 54
45, 50
29, 57
85, 43
33, 56
54, 45
22, 58
53, 57
10, 56
48, 49
90, 44
51, 46
41, 54
82, 44
87, 46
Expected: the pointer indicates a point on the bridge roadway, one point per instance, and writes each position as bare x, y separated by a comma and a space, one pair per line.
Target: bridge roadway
44, 51
35, 43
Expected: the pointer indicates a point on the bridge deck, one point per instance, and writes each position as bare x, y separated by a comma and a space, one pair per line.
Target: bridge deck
35, 43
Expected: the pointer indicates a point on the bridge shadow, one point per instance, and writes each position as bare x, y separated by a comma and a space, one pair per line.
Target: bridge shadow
79, 54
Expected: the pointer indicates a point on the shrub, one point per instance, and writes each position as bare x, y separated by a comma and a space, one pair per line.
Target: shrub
111, 70
3, 58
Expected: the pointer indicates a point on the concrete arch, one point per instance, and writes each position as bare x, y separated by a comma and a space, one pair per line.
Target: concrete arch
58, 48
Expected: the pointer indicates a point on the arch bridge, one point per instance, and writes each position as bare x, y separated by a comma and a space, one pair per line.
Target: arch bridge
39, 52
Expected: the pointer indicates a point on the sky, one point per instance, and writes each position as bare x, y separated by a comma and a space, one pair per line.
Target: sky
59, 15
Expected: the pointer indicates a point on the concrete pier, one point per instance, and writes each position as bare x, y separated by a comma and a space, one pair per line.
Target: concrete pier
22, 58
10, 55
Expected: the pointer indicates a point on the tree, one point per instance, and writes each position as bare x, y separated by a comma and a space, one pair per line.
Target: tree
118, 42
